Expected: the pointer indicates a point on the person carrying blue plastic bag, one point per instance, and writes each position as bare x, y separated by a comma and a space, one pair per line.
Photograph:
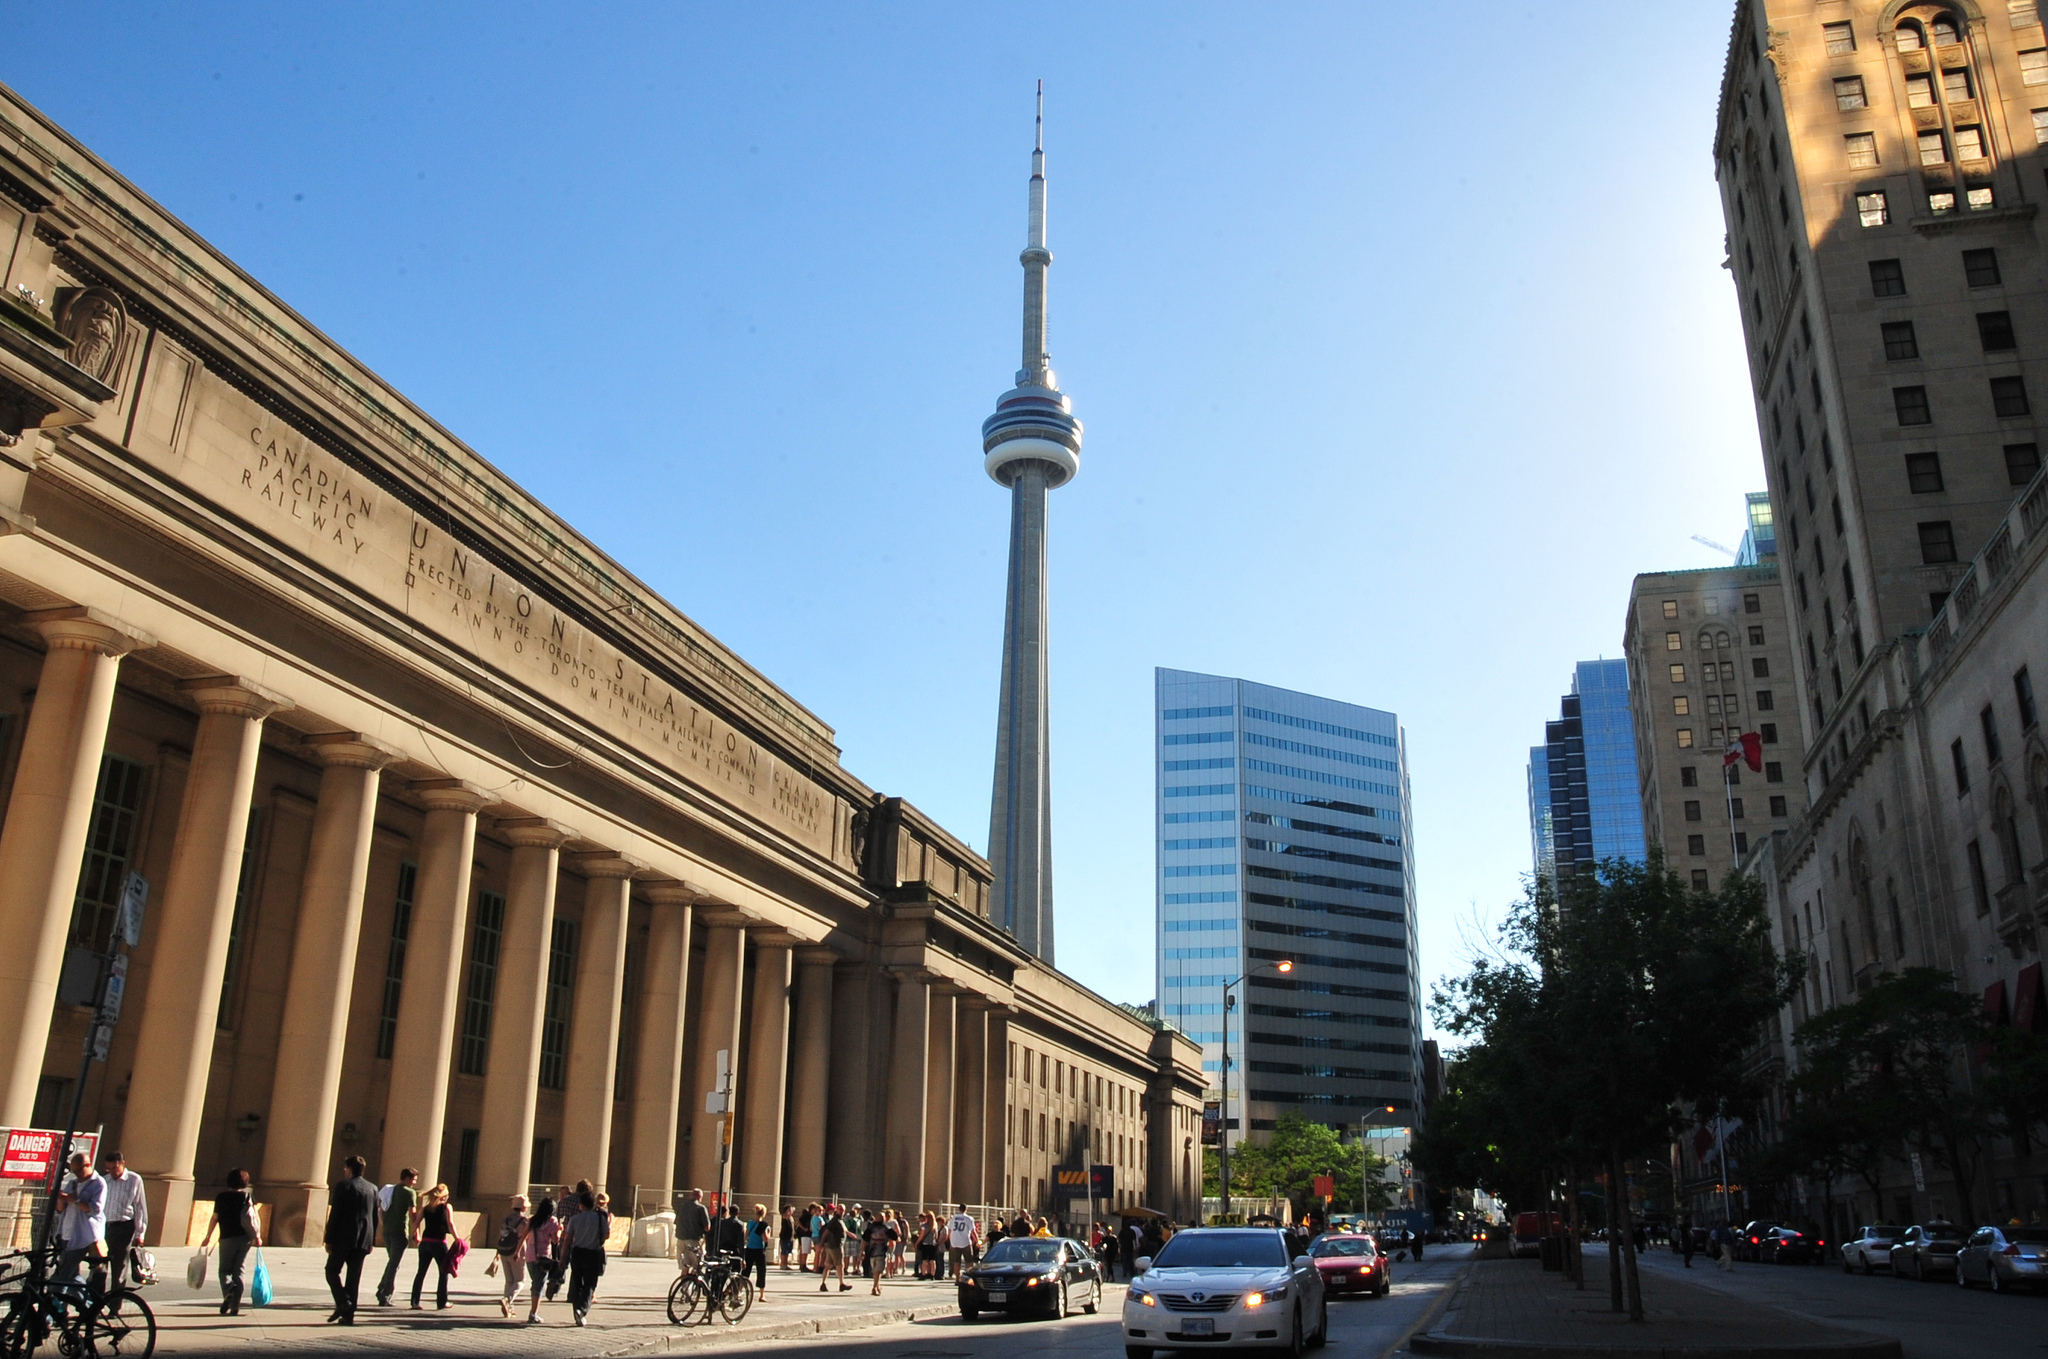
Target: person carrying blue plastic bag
259, 1282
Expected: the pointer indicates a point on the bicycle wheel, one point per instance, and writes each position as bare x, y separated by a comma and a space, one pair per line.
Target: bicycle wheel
20, 1327
736, 1299
686, 1300
121, 1326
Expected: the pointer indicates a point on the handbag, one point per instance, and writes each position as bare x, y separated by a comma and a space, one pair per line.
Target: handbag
259, 1284
491, 1269
195, 1268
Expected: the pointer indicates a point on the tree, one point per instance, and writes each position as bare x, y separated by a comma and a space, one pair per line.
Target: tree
1298, 1150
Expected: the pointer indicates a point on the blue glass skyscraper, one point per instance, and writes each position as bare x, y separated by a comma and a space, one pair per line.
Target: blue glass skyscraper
1284, 834
1589, 780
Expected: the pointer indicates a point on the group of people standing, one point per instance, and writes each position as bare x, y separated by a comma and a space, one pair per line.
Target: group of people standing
101, 1216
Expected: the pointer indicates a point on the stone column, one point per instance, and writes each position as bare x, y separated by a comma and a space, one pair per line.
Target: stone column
909, 1052
996, 1150
504, 1148
970, 1100
416, 1107
718, 1026
594, 1033
938, 1100
760, 1165
299, 1132
42, 843
810, 1096
658, 1093
174, 1044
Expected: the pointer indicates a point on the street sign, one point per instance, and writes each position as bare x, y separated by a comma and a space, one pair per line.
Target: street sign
714, 1101
1212, 1122
1919, 1172
31, 1153
117, 984
134, 897
1070, 1182
1101, 1182
1326, 1186
102, 1040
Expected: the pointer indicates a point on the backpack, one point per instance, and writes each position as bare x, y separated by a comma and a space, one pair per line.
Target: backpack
508, 1235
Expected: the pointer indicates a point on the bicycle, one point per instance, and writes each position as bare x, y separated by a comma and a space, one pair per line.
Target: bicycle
720, 1284
116, 1324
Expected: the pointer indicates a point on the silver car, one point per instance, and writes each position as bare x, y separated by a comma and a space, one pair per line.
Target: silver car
1871, 1249
2004, 1257
1225, 1288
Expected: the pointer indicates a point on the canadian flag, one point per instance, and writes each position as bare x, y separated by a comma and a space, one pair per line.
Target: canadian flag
1748, 748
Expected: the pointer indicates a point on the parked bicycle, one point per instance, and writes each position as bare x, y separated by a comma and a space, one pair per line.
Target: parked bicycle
720, 1285
37, 1307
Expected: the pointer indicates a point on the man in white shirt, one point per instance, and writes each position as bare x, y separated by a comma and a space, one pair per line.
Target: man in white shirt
84, 1197
127, 1216
961, 1229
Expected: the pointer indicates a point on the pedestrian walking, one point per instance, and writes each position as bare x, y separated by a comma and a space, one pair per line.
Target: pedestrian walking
396, 1202
881, 1236
537, 1253
433, 1227
831, 1250
350, 1235
960, 1234
588, 1231
785, 1238
509, 1263
84, 1196
1112, 1247
1723, 1241
127, 1217
234, 1217
755, 1249
1685, 1240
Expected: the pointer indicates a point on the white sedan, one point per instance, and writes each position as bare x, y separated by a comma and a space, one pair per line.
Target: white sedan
1225, 1288
1871, 1249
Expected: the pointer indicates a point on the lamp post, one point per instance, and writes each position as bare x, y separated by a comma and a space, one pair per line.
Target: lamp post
1223, 1132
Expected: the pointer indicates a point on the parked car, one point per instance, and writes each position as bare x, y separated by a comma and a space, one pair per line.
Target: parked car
1700, 1242
1032, 1274
1926, 1249
2004, 1257
1787, 1246
1225, 1288
1530, 1229
1871, 1248
1749, 1241
1351, 1263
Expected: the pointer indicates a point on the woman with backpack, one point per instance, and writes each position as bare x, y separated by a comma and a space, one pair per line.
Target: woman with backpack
508, 1262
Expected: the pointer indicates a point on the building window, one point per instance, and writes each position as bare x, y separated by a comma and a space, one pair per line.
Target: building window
1989, 722
2034, 66
1752, 604
1937, 542
1923, 472
1969, 142
1899, 342
1688, 777
1871, 210
2009, 396
1696, 845
1933, 147
2040, 125
1692, 811
1955, 86
1849, 96
1685, 738
1760, 667
1939, 203
1699, 880
1887, 277
1994, 331
1763, 699
2022, 462
1769, 731
1672, 642
1678, 674
1980, 268
1734, 803
1840, 38
1920, 91
238, 922
1979, 199
1861, 147
1978, 891
2022, 13
1778, 805
1756, 636
2023, 690
483, 983
554, 1025
465, 1164
394, 961
1962, 766
1681, 706
1671, 608
1911, 405
1741, 842
103, 876
1774, 772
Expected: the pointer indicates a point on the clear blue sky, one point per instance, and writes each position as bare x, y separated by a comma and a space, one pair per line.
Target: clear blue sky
1399, 332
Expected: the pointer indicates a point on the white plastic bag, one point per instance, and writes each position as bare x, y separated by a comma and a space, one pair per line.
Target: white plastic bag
195, 1268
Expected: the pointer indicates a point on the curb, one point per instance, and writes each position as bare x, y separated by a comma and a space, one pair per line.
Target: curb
1472, 1347
695, 1337
1432, 1312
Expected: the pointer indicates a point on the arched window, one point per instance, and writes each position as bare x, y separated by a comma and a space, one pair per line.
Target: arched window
1721, 639
1910, 36
1866, 911
2007, 827
1891, 901
1947, 32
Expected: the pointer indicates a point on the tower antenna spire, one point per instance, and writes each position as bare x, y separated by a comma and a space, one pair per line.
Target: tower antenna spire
1039, 145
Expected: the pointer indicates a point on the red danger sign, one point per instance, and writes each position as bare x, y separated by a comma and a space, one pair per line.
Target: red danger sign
32, 1152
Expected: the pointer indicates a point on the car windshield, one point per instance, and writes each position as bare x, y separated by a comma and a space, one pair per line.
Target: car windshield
1884, 1233
1944, 1232
1022, 1250
1222, 1250
1342, 1245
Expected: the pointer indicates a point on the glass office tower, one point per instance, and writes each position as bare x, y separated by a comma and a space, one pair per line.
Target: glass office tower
1589, 761
1541, 843
1283, 833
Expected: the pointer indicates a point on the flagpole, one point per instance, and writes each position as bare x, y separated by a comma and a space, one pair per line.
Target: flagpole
1728, 790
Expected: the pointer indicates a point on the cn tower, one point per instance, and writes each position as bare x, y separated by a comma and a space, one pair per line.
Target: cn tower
1032, 444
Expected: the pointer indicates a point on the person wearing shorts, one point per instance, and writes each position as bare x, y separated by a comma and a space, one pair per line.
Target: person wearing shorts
831, 1250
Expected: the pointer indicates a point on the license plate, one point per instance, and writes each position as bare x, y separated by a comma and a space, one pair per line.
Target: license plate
1003, 1296
1198, 1326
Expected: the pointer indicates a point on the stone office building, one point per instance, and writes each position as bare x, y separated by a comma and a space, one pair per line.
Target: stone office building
467, 852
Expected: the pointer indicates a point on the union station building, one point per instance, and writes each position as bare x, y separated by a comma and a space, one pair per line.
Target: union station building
465, 851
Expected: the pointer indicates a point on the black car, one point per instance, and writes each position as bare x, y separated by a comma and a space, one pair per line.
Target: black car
1785, 1246
1047, 1274
1749, 1241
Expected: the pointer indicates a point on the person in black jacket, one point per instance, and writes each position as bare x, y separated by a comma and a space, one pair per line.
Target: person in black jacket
350, 1237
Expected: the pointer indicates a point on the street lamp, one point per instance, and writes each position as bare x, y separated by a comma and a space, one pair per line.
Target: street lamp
1223, 1147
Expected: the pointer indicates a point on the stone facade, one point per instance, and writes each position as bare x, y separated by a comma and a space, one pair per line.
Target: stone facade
1880, 168
466, 850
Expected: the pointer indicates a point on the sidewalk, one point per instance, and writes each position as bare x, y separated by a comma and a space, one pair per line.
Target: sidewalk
1513, 1308
630, 1314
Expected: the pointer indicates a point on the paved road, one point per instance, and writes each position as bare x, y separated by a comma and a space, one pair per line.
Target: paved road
1931, 1320
1360, 1328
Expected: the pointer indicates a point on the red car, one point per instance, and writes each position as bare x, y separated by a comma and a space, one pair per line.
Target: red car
1351, 1263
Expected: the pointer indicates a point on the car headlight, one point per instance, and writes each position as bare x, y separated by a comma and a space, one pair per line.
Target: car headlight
1031, 1282
1262, 1297
1139, 1295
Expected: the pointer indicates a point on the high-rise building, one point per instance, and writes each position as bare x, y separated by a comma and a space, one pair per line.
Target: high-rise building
1284, 836
1880, 167
1032, 444
1710, 658
1585, 784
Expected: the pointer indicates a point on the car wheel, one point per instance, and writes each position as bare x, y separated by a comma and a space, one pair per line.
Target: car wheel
1919, 1270
969, 1313
1997, 1284
1322, 1332
1962, 1279
1867, 1270
1137, 1352
1296, 1340
1059, 1302
1094, 1299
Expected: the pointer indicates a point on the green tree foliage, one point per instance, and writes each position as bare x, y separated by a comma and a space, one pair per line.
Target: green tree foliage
1287, 1163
